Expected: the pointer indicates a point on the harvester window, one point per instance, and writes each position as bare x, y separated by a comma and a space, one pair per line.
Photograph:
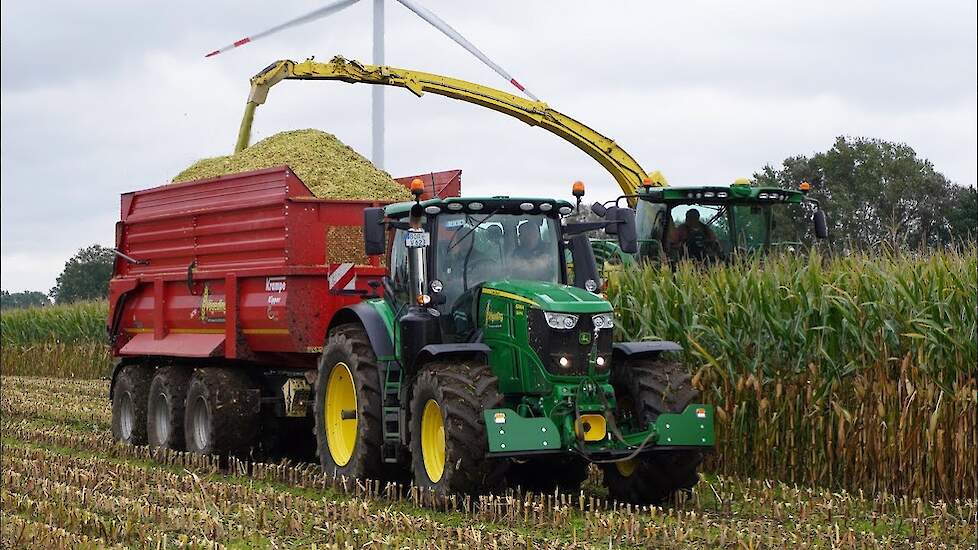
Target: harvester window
698, 231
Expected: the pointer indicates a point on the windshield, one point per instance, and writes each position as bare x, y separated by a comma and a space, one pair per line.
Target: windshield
474, 248
753, 223
698, 231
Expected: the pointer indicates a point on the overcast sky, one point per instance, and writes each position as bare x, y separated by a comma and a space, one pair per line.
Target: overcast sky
103, 97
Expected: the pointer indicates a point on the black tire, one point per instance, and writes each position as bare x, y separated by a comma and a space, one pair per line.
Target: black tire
645, 389
547, 474
129, 399
221, 414
167, 396
462, 391
348, 345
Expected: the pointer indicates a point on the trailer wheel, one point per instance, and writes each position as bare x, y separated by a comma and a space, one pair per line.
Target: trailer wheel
348, 407
129, 398
167, 396
221, 415
448, 432
645, 389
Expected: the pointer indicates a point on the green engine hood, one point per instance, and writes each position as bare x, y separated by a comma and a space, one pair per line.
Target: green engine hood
548, 296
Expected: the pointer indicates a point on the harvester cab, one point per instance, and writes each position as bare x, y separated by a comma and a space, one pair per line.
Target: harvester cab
709, 224
501, 361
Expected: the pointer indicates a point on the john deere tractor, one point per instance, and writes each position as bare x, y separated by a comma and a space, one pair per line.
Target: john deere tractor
708, 224
483, 364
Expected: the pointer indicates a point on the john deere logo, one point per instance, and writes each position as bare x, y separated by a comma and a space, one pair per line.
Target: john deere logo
584, 338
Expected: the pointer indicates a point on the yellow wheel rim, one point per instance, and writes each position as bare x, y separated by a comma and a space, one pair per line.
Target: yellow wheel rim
433, 440
626, 468
340, 414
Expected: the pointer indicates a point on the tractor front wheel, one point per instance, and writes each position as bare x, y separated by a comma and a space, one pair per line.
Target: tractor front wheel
348, 406
448, 432
644, 390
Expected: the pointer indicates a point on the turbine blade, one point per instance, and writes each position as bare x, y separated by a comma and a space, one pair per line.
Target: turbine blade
328, 9
447, 29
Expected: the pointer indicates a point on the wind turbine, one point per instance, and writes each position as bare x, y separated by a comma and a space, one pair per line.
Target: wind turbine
377, 98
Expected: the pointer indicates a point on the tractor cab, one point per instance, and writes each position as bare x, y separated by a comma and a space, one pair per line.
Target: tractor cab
490, 318
710, 224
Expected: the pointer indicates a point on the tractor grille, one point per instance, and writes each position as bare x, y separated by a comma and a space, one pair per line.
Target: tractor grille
551, 344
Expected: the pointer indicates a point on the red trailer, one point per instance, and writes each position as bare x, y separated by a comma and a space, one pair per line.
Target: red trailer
248, 268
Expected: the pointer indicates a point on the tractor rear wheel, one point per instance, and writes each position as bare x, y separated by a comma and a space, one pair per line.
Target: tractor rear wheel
448, 431
221, 415
129, 399
645, 389
167, 395
348, 407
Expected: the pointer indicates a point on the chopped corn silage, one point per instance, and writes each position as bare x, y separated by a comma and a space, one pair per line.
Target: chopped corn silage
330, 168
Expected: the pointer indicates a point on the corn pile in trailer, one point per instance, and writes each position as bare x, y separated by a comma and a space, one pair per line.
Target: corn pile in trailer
330, 168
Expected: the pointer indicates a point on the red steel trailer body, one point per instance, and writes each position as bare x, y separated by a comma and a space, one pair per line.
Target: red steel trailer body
247, 266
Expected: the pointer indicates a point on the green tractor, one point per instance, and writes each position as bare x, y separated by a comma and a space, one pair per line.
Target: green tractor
708, 224
485, 364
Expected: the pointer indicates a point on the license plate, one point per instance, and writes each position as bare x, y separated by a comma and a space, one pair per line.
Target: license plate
417, 240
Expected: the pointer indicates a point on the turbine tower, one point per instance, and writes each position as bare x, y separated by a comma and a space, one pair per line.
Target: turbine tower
377, 94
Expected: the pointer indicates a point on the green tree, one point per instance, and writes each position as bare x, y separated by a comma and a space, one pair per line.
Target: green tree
86, 275
23, 299
877, 192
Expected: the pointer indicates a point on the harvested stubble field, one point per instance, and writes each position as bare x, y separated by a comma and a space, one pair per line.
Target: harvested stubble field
66, 484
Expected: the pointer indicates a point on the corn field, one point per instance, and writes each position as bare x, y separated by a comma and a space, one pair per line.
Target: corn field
66, 484
848, 383
855, 372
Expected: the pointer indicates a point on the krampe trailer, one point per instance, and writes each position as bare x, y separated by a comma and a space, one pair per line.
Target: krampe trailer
442, 340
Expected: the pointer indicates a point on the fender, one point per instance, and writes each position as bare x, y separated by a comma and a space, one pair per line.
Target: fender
373, 323
433, 351
637, 350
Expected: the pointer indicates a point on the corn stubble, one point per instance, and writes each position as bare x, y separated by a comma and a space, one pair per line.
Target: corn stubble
66, 484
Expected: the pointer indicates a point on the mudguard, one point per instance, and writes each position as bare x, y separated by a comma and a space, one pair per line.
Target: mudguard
635, 350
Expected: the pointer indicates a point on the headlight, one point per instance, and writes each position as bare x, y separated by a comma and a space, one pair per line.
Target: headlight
560, 320
590, 285
604, 320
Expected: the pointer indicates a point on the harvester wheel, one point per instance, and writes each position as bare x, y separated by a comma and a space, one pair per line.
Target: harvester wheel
448, 432
547, 474
645, 389
348, 407
129, 398
221, 415
167, 395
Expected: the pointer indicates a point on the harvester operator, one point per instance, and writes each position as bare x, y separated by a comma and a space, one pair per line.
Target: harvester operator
694, 237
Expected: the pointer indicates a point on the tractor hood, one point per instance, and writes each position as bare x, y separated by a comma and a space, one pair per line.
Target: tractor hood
548, 296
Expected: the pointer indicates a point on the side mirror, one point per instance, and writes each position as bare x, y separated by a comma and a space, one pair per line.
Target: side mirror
611, 214
627, 232
374, 243
599, 209
821, 225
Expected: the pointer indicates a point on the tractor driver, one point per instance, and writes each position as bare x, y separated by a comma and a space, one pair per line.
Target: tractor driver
694, 236
531, 258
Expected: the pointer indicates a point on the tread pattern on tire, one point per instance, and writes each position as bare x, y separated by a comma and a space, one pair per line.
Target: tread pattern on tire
173, 382
349, 343
234, 412
656, 386
134, 380
463, 390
